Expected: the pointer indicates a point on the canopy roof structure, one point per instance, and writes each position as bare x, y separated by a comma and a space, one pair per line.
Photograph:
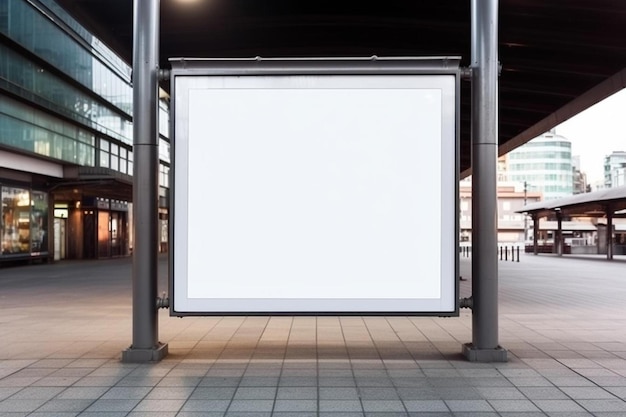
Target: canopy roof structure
594, 204
557, 58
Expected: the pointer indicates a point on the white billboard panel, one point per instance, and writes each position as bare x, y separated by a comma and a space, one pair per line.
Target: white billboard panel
315, 194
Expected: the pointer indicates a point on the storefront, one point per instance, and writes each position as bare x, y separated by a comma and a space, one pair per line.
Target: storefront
24, 225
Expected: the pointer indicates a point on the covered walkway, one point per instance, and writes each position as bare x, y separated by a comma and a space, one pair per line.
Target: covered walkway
64, 326
609, 204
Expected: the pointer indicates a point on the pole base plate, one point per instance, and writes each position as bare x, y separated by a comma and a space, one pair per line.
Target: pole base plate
473, 354
132, 355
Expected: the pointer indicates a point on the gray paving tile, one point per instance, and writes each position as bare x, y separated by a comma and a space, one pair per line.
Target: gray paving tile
595, 406
255, 393
333, 406
410, 382
136, 381
58, 381
298, 381
425, 393
369, 393
468, 405
16, 406
294, 414
126, 393
212, 393
531, 382
169, 393
251, 406
341, 414
200, 414
382, 406
247, 414
576, 381
53, 414
297, 393
219, 382
98, 381
299, 406
506, 393
17, 381
373, 382
587, 393
152, 414
504, 406
6, 392
74, 405
340, 393
206, 405
258, 381
558, 405
543, 393
159, 405
426, 406
475, 414
458, 393
336, 382
111, 405
618, 391
34, 393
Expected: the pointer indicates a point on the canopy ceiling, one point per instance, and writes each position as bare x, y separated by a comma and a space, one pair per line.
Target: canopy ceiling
558, 57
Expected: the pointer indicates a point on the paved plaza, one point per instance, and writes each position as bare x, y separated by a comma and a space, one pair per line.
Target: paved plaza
563, 321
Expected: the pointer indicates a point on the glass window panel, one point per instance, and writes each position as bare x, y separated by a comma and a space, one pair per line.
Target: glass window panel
115, 162
104, 159
39, 222
15, 220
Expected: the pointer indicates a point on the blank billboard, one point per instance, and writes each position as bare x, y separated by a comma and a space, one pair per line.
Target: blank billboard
314, 194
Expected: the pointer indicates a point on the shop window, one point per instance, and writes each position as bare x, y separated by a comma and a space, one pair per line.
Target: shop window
15, 220
39, 222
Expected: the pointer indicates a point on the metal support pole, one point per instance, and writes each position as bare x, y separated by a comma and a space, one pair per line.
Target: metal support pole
146, 346
484, 346
558, 239
609, 233
535, 233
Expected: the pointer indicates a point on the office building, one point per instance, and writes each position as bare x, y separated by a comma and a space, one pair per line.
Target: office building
66, 157
614, 168
544, 164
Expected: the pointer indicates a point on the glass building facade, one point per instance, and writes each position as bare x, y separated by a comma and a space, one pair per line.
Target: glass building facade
65, 101
544, 164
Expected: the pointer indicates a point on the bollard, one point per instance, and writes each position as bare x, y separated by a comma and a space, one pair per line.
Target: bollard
518, 254
506, 253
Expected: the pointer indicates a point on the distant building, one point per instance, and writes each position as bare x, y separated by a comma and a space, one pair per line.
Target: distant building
511, 225
544, 164
579, 178
614, 169
619, 177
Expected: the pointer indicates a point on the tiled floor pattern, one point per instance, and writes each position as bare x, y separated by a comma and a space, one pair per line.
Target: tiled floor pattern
562, 321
